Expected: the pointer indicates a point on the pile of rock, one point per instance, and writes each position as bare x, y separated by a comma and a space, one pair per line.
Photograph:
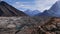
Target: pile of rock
27, 25
16, 24
51, 27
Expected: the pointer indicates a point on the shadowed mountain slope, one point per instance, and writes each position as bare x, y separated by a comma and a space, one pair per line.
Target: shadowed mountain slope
8, 10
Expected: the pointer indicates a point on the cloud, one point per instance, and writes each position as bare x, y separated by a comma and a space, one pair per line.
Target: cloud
1, 0
44, 4
35, 5
23, 5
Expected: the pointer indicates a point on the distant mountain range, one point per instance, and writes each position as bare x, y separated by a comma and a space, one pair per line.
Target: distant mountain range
32, 13
54, 11
8, 10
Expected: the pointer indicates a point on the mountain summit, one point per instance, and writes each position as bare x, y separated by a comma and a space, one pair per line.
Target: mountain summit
53, 11
32, 13
8, 10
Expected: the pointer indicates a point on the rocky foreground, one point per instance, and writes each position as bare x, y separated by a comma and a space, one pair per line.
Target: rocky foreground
29, 25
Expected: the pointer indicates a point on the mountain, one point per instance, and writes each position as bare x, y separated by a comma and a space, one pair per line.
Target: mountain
53, 11
45, 13
32, 13
8, 10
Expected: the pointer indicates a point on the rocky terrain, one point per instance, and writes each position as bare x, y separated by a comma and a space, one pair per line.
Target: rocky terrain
51, 27
16, 25
29, 25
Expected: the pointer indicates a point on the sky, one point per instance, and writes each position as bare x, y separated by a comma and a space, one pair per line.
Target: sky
23, 5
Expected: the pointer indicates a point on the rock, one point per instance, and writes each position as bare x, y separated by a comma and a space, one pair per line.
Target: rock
57, 32
49, 27
11, 26
58, 25
48, 33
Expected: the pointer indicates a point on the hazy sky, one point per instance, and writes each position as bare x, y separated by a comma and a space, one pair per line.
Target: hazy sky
31, 4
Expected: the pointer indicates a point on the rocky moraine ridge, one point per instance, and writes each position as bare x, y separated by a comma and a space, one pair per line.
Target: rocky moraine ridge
29, 25
13, 25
